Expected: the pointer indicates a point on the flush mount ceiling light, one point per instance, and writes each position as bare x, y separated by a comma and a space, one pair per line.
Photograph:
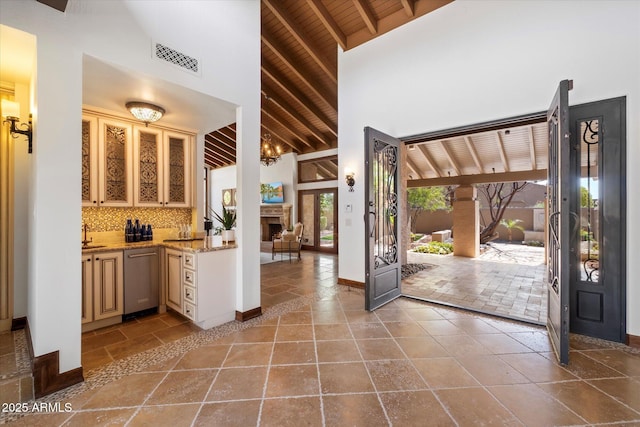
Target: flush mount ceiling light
145, 112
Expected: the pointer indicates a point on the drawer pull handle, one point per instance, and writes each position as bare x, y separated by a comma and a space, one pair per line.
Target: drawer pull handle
143, 255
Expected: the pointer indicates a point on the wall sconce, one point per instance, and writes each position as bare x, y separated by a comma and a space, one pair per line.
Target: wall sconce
11, 112
350, 179
145, 112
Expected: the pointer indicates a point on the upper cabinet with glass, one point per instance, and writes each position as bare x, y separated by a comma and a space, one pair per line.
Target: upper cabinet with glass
321, 169
125, 164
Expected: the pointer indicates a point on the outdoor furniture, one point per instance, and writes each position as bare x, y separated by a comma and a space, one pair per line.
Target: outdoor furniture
288, 242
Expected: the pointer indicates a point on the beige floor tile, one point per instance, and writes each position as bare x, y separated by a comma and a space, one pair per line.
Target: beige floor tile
501, 344
417, 408
444, 372
294, 333
421, 347
131, 390
624, 362
491, 370
291, 412
369, 330
344, 378
10, 390
172, 319
423, 313
248, 355
535, 340
537, 368
361, 316
296, 318
171, 415
294, 380
337, 351
94, 342
257, 334
135, 329
586, 368
133, 346
325, 317
113, 417
336, 331
589, 402
474, 326
163, 366
229, 414
183, 387
395, 375
353, 410
440, 327
209, 356
626, 390
42, 420
286, 353
378, 349
238, 383
393, 315
475, 406
176, 332
533, 406
461, 345
95, 359
405, 329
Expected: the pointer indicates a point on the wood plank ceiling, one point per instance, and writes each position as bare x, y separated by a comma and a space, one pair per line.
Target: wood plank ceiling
299, 75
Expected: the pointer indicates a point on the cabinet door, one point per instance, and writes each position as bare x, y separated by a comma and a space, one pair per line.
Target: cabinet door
177, 173
89, 161
115, 183
174, 279
147, 167
108, 285
87, 289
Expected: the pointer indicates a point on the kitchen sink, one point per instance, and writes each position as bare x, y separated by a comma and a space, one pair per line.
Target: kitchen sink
93, 246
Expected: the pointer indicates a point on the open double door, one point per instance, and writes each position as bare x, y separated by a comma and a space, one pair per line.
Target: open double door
592, 307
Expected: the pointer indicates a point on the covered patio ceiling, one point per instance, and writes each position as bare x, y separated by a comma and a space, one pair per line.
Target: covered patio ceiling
510, 150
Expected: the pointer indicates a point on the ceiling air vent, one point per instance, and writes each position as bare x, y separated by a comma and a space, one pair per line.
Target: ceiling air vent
186, 62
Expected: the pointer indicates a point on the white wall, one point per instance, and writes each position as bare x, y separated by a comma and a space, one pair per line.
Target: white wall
473, 61
121, 31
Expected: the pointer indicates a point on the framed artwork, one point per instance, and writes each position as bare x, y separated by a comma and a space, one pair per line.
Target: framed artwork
229, 197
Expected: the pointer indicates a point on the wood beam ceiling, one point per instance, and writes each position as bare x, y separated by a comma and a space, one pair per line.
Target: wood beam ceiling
535, 175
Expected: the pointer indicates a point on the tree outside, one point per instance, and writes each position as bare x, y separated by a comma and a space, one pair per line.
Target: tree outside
422, 199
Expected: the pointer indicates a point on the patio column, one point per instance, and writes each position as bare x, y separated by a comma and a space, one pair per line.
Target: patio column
466, 222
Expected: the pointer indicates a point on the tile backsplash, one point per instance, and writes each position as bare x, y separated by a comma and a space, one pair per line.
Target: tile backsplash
114, 219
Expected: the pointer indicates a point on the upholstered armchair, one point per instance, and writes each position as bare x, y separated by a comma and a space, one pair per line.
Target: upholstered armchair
288, 242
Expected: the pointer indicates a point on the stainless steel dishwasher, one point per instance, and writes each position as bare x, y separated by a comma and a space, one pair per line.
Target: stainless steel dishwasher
141, 284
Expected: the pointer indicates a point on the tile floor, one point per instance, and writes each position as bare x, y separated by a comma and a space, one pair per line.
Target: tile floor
506, 280
327, 362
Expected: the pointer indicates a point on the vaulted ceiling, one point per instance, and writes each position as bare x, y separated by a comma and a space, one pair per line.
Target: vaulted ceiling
300, 40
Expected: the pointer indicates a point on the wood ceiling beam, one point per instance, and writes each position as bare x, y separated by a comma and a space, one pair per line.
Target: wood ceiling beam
230, 138
396, 19
409, 7
274, 133
289, 88
271, 96
325, 172
532, 148
452, 161
214, 147
307, 44
280, 52
536, 175
216, 158
429, 160
288, 128
474, 154
414, 168
216, 163
329, 23
503, 153
223, 139
366, 15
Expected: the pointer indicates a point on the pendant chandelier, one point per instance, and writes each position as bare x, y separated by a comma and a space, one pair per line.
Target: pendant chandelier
269, 153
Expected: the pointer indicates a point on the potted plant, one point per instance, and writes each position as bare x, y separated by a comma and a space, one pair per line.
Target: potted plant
228, 221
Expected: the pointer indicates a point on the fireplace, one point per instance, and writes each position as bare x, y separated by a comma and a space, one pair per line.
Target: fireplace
273, 218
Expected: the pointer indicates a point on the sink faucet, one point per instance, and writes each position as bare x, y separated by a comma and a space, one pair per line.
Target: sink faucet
86, 242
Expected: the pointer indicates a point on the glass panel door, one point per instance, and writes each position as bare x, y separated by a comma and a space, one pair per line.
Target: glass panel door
318, 213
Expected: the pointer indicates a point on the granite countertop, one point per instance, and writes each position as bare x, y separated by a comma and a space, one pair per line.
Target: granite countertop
188, 245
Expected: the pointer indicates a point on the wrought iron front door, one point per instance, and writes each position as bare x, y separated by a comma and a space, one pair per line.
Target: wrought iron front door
558, 201
382, 220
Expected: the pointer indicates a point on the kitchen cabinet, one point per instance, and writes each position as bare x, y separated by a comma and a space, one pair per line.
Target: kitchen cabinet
102, 289
162, 172
173, 264
201, 285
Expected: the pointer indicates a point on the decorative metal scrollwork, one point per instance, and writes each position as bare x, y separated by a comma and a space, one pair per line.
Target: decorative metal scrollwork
386, 204
589, 141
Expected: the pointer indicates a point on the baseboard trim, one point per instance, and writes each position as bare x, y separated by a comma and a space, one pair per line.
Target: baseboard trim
19, 323
351, 283
45, 369
633, 341
250, 314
